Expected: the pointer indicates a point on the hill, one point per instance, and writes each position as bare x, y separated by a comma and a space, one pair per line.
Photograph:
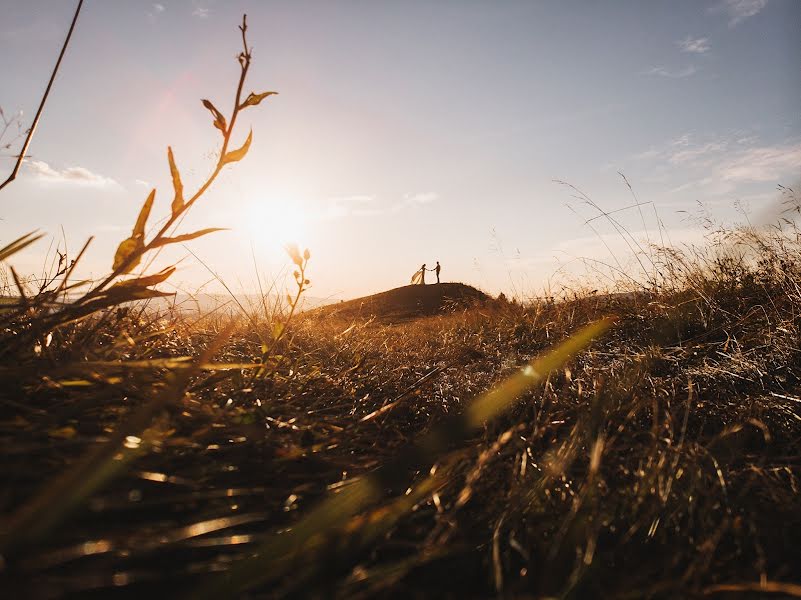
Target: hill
408, 302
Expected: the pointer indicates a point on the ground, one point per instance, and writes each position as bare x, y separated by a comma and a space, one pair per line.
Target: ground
662, 461
408, 302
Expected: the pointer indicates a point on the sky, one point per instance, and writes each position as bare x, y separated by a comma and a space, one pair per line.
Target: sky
403, 132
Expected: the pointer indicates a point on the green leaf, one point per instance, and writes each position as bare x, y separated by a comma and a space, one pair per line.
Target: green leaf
125, 251
145, 281
219, 119
141, 221
235, 155
185, 237
178, 200
254, 99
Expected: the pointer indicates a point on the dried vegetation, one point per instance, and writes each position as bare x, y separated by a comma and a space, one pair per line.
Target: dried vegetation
513, 449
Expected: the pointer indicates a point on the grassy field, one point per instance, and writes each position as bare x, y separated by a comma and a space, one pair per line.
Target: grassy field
641, 441
662, 461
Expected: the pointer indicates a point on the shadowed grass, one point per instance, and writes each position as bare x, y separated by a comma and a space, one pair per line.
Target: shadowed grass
307, 537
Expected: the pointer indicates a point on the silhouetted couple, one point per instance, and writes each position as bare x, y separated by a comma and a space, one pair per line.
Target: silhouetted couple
420, 276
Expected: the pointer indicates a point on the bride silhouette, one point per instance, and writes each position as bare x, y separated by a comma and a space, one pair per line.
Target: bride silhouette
420, 276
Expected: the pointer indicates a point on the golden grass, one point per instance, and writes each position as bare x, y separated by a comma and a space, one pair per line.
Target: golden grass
536, 449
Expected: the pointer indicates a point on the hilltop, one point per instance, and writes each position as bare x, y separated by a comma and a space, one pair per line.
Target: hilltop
408, 302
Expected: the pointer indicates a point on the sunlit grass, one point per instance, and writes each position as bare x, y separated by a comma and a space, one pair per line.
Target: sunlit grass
643, 444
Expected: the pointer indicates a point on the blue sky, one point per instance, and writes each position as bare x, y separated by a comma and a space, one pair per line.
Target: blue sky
404, 132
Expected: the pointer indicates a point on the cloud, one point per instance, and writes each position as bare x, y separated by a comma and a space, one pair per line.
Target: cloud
763, 164
419, 198
155, 11
721, 165
69, 175
201, 12
367, 205
694, 45
725, 162
644, 155
694, 154
678, 74
682, 140
682, 149
740, 10
356, 205
142, 182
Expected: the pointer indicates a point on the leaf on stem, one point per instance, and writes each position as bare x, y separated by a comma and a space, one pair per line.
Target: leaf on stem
146, 281
219, 120
255, 99
115, 296
235, 155
185, 237
129, 251
178, 200
141, 221
125, 250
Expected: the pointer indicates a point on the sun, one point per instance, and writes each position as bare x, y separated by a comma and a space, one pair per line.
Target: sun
273, 224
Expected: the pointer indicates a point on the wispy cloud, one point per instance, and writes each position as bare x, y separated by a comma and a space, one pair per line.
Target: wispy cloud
356, 205
367, 205
721, 164
694, 45
739, 10
763, 164
419, 198
673, 74
201, 12
155, 10
69, 175
694, 153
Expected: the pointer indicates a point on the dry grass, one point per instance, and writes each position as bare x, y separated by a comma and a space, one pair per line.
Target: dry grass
661, 462
508, 449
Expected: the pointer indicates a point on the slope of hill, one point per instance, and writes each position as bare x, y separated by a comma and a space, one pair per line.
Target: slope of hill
408, 302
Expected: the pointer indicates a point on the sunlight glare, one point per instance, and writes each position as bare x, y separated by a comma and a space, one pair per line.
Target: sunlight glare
273, 224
